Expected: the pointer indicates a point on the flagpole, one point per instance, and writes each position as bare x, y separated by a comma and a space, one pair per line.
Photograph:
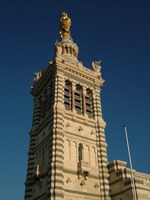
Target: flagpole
134, 191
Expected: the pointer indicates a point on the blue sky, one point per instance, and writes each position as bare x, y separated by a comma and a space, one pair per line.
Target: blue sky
116, 32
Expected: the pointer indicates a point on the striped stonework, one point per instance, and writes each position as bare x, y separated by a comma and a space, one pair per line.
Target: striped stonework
67, 158
121, 183
56, 187
36, 112
67, 154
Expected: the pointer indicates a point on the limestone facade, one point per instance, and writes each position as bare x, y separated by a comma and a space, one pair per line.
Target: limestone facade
121, 184
67, 156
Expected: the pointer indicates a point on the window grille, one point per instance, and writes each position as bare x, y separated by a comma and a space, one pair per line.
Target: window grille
78, 99
67, 95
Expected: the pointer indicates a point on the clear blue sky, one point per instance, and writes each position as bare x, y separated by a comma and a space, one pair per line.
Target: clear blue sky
114, 31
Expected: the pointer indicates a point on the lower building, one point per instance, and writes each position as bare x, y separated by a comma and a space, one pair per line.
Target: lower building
121, 183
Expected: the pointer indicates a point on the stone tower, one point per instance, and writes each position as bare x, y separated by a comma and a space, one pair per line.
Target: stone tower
67, 154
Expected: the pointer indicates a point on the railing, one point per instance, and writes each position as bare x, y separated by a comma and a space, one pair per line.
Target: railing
145, 177
142, 175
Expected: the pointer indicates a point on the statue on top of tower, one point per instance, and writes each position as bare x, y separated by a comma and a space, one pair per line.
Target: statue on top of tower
64, 25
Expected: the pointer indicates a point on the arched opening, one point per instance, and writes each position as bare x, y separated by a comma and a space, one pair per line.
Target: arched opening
78, 99
80, 152
67, 95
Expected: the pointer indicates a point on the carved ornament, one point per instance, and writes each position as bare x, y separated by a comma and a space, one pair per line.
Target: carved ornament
96, 66
38, 75
64, 25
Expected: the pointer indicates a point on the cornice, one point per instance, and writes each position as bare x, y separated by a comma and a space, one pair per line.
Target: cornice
43, 79
76, 67
70, 65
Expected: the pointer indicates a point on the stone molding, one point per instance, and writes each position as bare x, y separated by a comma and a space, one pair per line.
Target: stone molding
69, 65
142, 175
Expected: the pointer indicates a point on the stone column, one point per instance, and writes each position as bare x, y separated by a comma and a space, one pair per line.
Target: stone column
84, 101
73, 97
75, 54
71, 51
63, 50
68, 50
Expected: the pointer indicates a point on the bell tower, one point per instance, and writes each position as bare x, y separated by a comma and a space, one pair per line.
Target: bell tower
67, 156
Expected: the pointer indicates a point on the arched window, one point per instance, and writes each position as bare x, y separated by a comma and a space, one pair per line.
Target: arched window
78, 99
67, 95
80, 152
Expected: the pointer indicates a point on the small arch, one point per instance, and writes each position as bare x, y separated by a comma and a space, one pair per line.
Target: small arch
80, 152
67, 82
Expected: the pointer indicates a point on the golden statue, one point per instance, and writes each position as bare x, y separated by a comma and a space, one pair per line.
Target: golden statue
64, 25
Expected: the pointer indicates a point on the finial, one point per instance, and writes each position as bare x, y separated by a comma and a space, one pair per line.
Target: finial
64, 25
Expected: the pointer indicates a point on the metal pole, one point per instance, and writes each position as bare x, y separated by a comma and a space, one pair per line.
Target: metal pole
134, 191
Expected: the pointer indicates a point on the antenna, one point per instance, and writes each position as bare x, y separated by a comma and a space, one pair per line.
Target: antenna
134, 191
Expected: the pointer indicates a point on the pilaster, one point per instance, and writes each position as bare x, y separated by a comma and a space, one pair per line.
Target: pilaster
56, 188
